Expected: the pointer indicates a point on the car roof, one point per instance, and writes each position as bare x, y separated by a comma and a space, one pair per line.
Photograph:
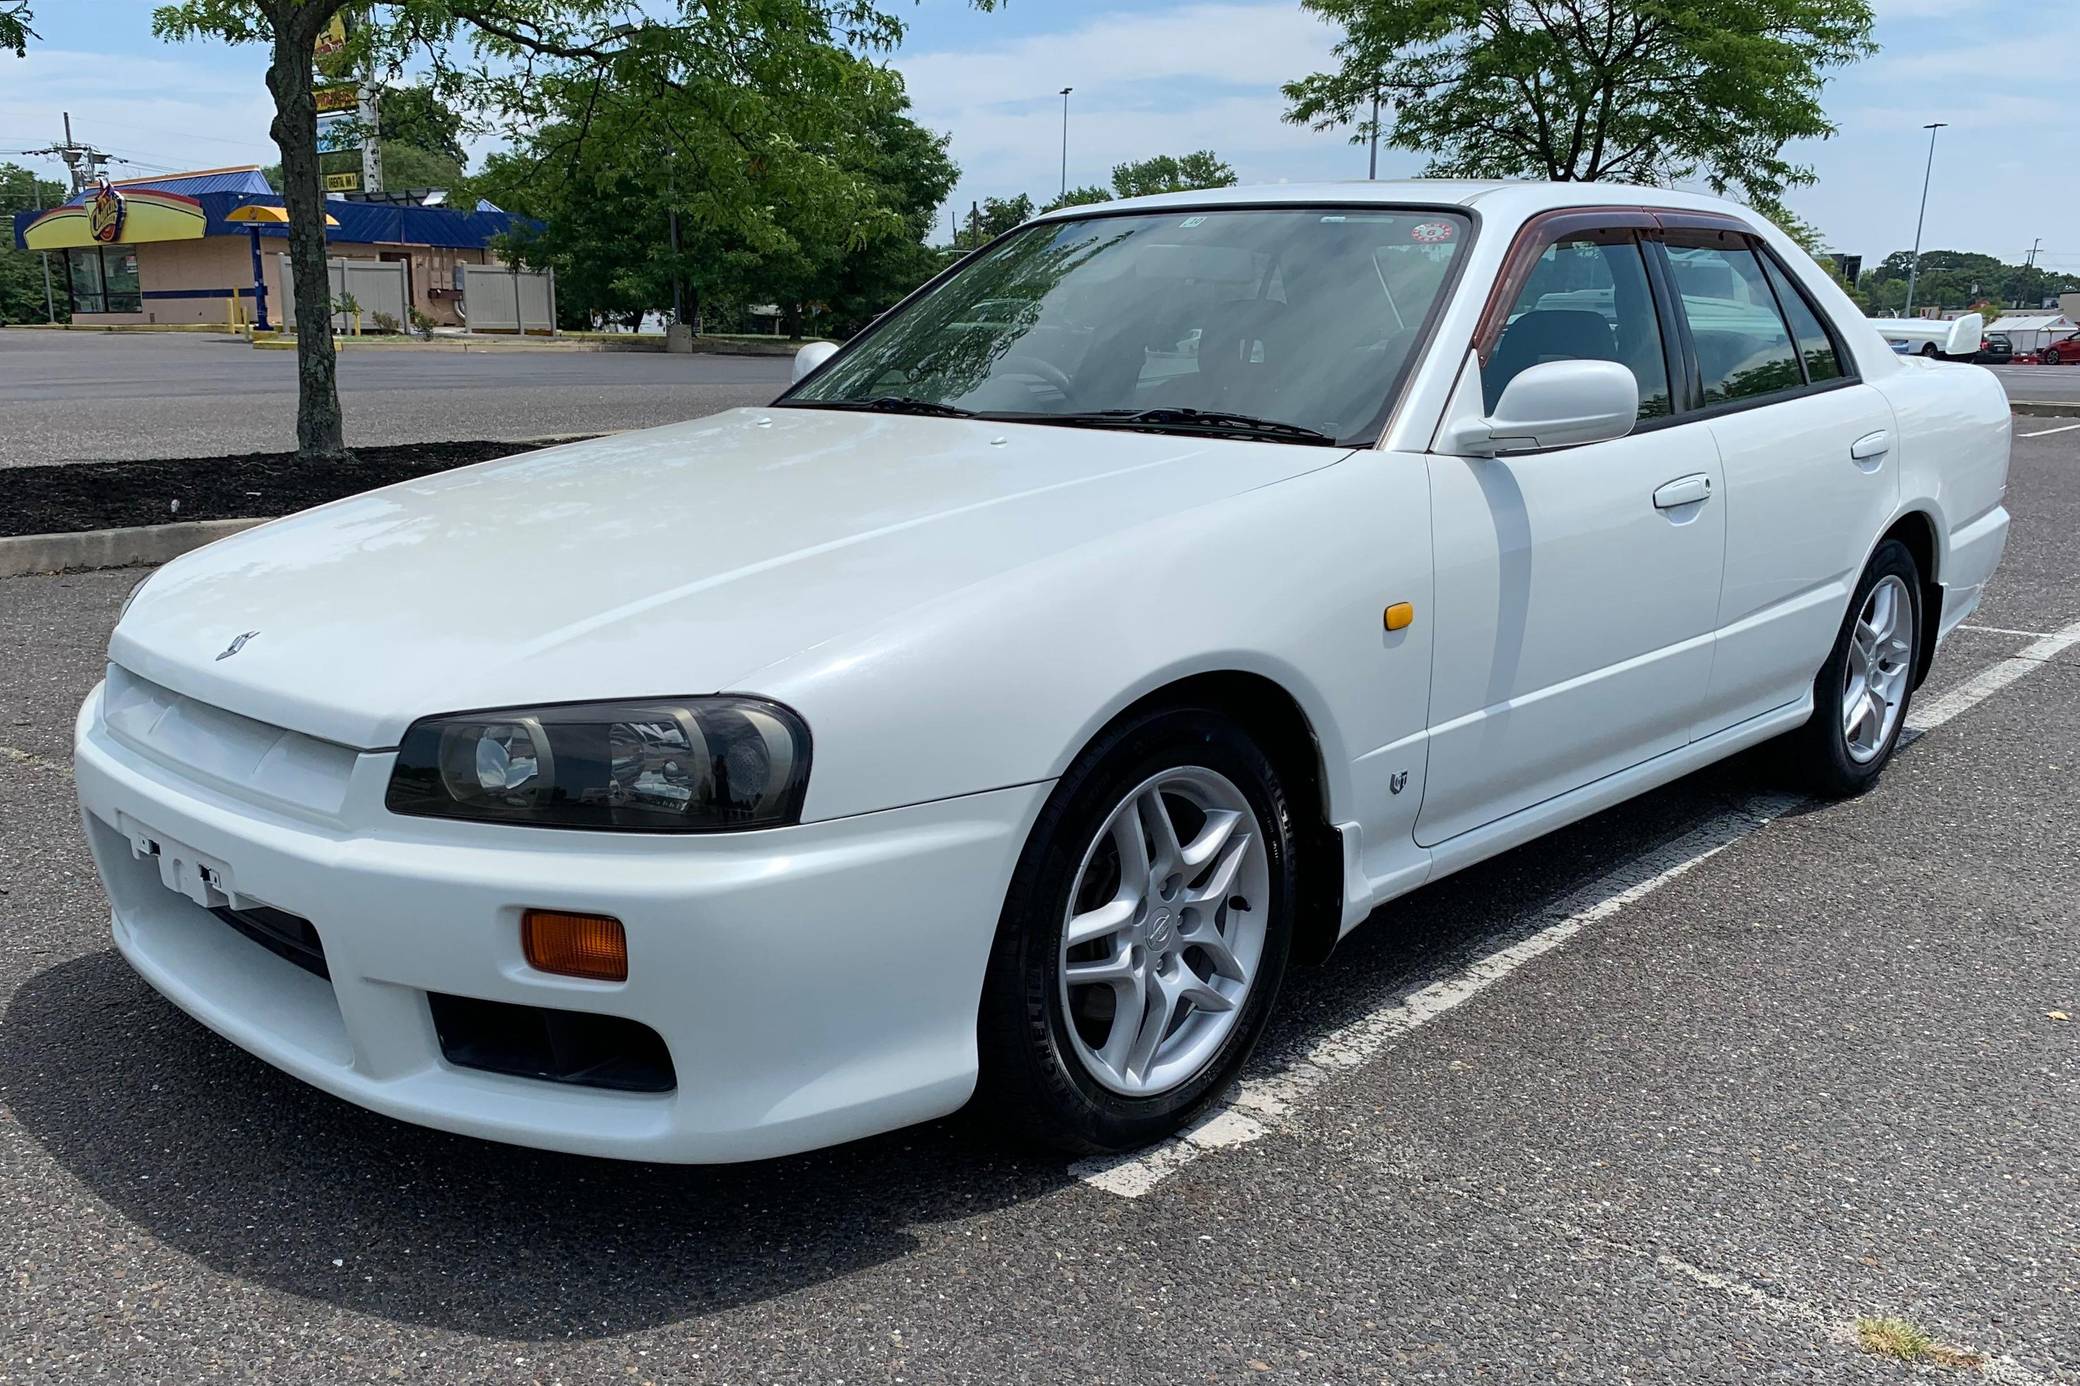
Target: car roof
1505, 199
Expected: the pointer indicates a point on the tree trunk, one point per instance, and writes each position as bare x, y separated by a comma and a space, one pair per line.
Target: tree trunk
320, 435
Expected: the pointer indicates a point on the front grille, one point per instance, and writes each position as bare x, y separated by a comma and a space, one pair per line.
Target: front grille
578, 1047
283, 934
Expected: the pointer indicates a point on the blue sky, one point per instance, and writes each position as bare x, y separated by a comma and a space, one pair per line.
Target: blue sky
1153, 76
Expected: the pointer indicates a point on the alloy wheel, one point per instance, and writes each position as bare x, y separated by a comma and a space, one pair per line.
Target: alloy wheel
1881, 657
1164, 931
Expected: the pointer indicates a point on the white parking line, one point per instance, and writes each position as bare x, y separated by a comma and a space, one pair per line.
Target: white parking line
1266, 1100
2047, 432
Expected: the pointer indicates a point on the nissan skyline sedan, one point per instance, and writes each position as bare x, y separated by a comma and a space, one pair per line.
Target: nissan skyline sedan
997, 716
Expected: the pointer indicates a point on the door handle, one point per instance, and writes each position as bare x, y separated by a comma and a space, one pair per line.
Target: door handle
1871, 445
1684, 490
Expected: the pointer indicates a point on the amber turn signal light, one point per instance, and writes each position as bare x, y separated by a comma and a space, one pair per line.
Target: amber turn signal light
1400, 616
592, 946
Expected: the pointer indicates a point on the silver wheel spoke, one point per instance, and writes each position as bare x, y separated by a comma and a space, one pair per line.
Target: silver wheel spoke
1108, 918
1212, 837
1201, 994
1130, 834
1207, 939
1117, 971
1160, 1005
1163, 847
1222, 880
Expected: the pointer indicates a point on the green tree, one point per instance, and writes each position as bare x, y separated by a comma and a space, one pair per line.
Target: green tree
514, 63
991, 218
1080, 197
1642, 91
1167, 173
831, 209
21, 271
15, 32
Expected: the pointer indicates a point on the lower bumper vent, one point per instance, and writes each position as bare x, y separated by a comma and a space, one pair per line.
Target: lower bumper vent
595, 1051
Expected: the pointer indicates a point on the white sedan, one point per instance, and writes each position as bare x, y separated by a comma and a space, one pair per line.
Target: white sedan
1130, 612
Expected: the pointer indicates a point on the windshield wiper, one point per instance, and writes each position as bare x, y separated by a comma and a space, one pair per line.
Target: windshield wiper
1212, 421
895, 404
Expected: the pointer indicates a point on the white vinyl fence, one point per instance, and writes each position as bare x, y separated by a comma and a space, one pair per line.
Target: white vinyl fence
498, 298
379, 286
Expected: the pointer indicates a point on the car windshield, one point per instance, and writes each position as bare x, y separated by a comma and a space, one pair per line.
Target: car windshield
1288, 323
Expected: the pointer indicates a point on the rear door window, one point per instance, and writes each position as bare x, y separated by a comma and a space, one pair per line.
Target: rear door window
1744, 349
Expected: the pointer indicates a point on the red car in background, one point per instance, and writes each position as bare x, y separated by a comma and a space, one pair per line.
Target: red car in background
2062, 351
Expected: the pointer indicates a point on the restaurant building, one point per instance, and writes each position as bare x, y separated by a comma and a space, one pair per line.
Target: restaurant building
166, 249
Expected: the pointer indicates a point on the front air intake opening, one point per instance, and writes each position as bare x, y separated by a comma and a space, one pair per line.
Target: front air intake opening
575, 1047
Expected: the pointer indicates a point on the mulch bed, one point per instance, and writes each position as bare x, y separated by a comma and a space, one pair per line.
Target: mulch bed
72, 496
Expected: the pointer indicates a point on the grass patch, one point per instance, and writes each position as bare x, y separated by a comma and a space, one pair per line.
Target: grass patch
1904, 1342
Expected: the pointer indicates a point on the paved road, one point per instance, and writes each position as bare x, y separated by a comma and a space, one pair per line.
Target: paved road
2059, 383
68, 396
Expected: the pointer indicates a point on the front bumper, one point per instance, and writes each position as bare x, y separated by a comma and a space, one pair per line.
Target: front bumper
812, 984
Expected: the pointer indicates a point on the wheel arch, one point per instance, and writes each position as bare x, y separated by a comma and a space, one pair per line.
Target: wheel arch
1917, 530
1276, 719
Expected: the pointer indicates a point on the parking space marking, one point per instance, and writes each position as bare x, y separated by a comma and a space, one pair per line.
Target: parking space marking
1993, 679
2047, 432
2003, 630
1264, 1101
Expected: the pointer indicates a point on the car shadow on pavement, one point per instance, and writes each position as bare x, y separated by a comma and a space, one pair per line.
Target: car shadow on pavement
265, 1179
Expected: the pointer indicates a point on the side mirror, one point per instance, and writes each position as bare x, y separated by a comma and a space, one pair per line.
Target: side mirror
1556, 404
812, 356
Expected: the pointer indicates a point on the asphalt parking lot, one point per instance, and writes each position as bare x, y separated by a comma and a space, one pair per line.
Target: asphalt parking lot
2055, 383
1677, 1095
89, 396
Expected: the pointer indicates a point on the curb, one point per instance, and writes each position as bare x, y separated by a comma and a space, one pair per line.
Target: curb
2045, 408
111, 548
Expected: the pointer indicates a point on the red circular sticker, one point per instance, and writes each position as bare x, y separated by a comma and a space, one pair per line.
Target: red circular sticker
1433, 232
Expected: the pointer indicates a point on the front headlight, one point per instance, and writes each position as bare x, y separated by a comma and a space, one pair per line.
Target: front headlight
683, 765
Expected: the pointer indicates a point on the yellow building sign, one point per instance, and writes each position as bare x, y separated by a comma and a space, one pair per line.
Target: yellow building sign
332, 38
342, 182
119, 216
335, 100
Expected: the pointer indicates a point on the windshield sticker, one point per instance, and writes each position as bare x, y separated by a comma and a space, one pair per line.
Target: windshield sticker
1433, 232
1190, 221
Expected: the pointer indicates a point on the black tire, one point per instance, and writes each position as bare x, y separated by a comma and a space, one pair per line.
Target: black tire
1930, 350
1033, 1085
1819, 750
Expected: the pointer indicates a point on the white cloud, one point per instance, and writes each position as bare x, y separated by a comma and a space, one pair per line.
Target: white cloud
159, 113
1195, 77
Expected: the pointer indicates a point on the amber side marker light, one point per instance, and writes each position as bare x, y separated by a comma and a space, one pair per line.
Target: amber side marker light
1400, 616
592, 946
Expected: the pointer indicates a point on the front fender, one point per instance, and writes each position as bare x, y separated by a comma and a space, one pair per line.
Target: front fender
1005, 681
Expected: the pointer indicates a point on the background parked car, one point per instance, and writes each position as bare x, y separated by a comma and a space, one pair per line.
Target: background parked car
2064, 351
1995, 349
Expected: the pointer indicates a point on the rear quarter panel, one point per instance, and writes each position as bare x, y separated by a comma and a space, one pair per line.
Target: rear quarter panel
1954, 436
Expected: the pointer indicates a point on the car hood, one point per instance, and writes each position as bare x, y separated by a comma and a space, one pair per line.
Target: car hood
674, 561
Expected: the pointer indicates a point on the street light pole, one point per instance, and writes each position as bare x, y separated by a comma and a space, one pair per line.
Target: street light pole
1065, 139
1914, 265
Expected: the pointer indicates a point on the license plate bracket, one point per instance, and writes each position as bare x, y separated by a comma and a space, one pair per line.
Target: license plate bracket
182, 869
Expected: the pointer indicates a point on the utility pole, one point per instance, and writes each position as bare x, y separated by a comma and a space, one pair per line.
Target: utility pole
1914, 265
2029, 263
50, 302
84, 164
370, 117
1065, 139
1372, 171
